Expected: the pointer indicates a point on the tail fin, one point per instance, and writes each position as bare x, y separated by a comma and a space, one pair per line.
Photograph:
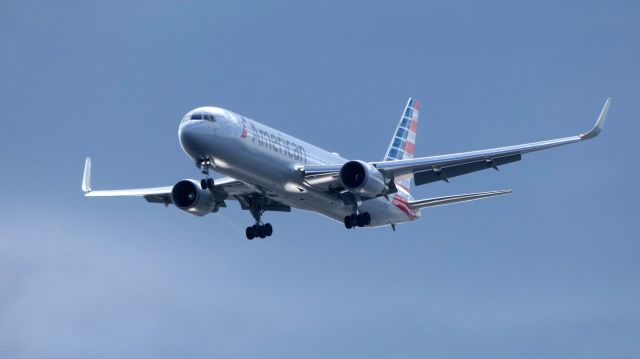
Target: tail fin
403, 143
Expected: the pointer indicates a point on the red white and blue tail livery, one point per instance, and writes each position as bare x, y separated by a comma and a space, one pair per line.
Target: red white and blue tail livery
403, 143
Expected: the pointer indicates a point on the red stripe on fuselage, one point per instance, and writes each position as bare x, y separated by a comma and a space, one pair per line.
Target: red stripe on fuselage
401, 203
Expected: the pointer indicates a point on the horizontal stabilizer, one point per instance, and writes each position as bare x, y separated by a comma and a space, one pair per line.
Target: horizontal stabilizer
441, 201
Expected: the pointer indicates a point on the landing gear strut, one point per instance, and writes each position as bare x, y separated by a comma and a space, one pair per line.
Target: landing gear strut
261, 230
357, 220
206, 182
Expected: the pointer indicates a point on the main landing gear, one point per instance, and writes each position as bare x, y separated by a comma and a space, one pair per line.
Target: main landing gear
258, 230
357, 220
206, 182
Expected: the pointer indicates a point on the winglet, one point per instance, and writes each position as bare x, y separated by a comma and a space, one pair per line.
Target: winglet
597, 128
86, 178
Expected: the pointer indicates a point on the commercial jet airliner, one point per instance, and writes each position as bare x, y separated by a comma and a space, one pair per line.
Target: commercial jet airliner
269, 170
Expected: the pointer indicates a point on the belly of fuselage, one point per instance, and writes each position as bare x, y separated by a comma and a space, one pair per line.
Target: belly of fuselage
274, 175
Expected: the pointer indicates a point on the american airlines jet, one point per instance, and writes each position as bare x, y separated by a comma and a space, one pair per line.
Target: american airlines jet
269, 170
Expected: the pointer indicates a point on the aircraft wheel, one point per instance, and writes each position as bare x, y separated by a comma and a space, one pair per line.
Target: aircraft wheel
203, 183
260, 231
249, 233
366, 218
347, 222
268, 229
210, 183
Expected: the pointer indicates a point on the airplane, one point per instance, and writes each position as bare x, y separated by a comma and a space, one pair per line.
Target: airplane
269, 170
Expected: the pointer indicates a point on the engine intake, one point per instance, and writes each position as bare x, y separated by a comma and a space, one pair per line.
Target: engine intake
362, 178
189, 197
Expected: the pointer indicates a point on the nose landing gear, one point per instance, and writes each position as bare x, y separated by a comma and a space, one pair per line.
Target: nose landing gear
206, 182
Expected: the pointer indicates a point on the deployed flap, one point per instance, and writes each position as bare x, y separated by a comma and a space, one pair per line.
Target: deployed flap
264, 203
444, 173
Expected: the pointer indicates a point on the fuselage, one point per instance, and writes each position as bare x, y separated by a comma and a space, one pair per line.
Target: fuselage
269, 159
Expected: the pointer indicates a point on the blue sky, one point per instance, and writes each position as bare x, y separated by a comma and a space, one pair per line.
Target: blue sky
551, 271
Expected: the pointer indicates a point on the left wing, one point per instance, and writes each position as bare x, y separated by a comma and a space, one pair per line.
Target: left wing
443, 167
231, 187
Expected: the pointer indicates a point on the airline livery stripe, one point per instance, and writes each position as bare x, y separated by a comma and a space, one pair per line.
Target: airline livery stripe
402, 205
413, 126
411, 137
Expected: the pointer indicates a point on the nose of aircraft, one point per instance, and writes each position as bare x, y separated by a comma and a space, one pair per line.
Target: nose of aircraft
191, 134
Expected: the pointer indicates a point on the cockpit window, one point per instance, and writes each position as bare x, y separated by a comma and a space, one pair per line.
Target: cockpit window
203, 116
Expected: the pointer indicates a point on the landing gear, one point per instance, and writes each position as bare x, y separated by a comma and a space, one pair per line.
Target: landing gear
206, 182
259, 229
357, 220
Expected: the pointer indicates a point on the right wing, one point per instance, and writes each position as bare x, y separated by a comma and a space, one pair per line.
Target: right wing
443, 167
440, 168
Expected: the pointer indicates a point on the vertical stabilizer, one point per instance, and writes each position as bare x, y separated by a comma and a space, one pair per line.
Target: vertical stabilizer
403, 142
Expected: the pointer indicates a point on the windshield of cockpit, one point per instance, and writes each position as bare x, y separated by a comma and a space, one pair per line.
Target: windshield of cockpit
200, 116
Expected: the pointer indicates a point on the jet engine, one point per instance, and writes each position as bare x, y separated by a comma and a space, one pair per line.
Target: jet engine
190, 197
362, 178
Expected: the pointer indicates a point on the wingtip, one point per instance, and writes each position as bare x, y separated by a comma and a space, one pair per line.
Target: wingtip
86, 177
500, 192
597, 128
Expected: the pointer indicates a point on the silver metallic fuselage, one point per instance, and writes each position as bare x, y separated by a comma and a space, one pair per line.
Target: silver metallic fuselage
268, 159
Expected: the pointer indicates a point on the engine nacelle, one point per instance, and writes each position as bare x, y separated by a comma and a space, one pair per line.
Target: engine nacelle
362, 178
189, 197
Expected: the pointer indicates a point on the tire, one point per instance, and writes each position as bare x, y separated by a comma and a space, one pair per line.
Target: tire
249, 233
210, 183
268, 229
367, 218
203, 183
347, 222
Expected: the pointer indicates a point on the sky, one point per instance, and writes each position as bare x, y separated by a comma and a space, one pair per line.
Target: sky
550, 271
